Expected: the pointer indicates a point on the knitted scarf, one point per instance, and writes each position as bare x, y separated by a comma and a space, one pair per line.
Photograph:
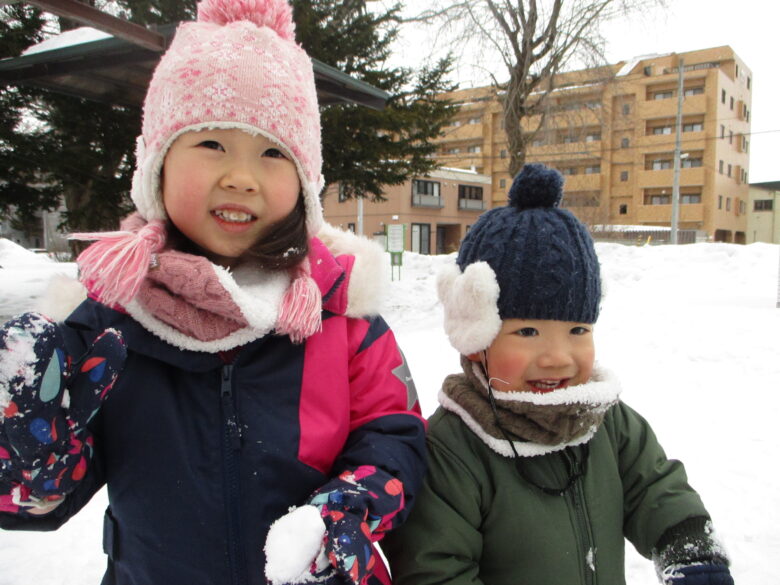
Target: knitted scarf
539, 423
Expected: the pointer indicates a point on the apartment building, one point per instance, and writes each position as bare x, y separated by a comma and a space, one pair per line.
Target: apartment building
437, 210
611, 131
764, 213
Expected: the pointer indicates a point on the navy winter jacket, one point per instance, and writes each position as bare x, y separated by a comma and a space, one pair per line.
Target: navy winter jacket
201, 452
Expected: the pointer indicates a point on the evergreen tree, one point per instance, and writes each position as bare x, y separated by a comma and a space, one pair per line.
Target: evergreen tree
365, 149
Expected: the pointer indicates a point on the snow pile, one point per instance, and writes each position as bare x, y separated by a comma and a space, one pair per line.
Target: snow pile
13, 255
690, 331
24, 276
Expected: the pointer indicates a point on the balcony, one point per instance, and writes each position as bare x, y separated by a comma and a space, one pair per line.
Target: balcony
693, 104
471, 205
663, 213
662, 178
430, 201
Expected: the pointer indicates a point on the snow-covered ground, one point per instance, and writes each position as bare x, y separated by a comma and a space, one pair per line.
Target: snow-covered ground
692, 331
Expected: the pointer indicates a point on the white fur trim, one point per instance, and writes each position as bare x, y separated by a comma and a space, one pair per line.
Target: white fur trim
257, 293
368, 280
294, 542
146, 191
61, 297
604, 388
470, 301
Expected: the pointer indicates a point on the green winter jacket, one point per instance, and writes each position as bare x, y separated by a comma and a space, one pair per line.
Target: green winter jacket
478, 521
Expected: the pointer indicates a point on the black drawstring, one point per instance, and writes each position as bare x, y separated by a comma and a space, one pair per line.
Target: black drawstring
578, 467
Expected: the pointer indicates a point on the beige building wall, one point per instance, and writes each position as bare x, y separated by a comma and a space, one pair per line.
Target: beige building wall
437, 210
764, 213
612, 133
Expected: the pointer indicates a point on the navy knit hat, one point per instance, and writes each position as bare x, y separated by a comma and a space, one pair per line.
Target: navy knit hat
541, 256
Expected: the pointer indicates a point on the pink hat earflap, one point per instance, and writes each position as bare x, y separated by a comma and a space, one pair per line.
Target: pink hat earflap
114, 266
300, 313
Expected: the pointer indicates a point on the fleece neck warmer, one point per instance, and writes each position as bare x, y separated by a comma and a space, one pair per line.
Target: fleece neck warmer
537, 423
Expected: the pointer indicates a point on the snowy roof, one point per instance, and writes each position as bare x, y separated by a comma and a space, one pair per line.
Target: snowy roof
77, 36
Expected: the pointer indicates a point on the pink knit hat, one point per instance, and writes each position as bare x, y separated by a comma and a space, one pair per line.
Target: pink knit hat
237, 66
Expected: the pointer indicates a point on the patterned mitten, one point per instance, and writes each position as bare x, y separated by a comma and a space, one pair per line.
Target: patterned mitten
698, 574
335, 530
358, 508
47, 398
688, 554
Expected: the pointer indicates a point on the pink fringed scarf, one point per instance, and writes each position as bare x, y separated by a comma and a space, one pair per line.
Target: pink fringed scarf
183, 290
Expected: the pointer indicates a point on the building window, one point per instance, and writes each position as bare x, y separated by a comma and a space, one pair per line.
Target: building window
595, 137
720, 201
728, 203
351, 227
624, 176
623, 209
658, 199
763, 205
662, 130
693, 91
537, 142
502, 183
722, 131
742, 207
723, 96
748, 82
624, 143
691, 163
503, 154
731, 103
720, 167
426, 193
476, 120
693, 127
663, 95
731, 136
569, 171
470, 197
421, 238
593, 170
661, 164
728, 173
690, 198
475, 149
626, 109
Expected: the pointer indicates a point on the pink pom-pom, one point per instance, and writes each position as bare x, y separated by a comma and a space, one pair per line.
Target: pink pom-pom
275, 14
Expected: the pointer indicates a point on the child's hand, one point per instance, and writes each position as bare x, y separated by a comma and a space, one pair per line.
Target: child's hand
698, 574
46, 401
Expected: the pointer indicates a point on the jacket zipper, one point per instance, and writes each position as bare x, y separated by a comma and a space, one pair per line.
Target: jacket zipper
582, 528
231, 445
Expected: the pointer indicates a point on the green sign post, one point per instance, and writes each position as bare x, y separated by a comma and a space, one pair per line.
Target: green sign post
395, 236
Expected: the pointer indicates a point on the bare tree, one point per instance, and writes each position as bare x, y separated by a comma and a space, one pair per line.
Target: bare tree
535, 40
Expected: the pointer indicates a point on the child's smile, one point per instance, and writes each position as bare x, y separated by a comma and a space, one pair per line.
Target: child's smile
539, 355
223, 188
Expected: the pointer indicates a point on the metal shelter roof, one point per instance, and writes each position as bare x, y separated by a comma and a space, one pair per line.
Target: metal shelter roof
117, 69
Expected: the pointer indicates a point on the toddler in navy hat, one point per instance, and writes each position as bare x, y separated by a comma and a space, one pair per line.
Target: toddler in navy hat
537, 470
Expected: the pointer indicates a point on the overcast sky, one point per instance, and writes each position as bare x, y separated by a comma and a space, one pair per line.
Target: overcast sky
750, 27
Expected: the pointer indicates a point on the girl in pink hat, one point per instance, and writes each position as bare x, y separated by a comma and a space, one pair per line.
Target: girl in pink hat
262, 424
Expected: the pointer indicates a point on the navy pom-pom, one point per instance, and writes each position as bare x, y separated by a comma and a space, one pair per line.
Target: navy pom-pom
536, 186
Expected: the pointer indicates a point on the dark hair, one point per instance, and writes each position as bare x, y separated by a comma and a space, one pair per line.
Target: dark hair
283, 245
